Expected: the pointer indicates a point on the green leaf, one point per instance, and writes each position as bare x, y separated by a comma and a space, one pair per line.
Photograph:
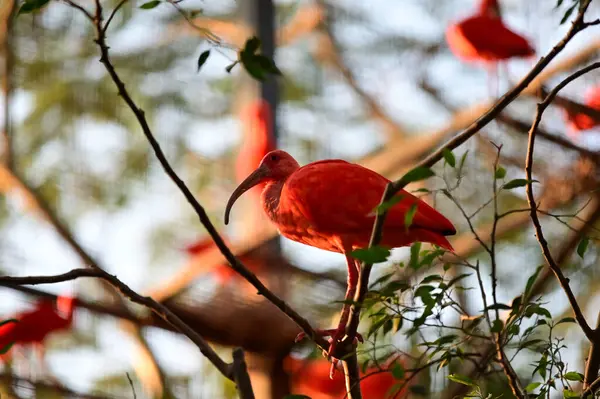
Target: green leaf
566, 320
202, 59
31, 6
515, 183
568, 14
394, 286
531, 280
574, 376
231, 66
461, 164
419, 173
410, 215
449, 157
376, 254
433, 277
583, 246
497, 326
531, 387
414, 255
150, 5
567, 394
461, 379
398, 371
385, 206
6, 348
252, 44
500, 173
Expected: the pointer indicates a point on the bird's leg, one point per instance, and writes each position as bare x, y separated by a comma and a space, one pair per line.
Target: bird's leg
353, 268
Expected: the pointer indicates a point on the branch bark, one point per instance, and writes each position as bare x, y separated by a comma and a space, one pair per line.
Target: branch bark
563, 281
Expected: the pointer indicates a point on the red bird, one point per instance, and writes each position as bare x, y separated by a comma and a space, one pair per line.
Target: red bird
483, 37
35, 325
578, 122
311, 378
329, 205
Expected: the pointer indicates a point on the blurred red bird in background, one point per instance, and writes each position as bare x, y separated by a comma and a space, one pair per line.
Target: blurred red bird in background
578, 122
329, 205
483, 37
34, 326
311, 378
257, 122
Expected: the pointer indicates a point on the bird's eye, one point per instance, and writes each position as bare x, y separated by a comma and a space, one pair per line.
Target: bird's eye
273, 157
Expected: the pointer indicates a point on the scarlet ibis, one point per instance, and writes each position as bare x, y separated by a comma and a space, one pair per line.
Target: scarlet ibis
578, 122
329, 205
484, 37
35, 325
311, 378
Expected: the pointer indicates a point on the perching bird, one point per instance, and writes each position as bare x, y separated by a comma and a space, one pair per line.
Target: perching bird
329, 205
483, 37
35, 325
578, 122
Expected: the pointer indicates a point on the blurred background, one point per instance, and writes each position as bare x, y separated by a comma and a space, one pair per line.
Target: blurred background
369, 82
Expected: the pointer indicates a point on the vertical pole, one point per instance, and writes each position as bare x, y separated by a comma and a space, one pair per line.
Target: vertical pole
269, 378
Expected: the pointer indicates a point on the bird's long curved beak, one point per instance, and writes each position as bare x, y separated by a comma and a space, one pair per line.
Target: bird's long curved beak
255, 178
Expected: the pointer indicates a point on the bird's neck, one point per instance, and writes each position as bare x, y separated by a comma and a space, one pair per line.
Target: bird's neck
270, 198
490, 8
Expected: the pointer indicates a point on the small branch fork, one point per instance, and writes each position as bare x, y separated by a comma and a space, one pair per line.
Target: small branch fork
593, 335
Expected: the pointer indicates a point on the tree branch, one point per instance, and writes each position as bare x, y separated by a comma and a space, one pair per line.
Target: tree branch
396, 186
204, 219
161, 310
563, 281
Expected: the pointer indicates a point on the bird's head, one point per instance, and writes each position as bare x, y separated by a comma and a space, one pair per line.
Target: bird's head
277, 165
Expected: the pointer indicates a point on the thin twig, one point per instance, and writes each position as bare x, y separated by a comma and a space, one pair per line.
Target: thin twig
162, 311
563, 281
113, 13
131, 385
80, 8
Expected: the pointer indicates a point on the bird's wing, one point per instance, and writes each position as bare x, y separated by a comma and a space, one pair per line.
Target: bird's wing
490, 35
338, 197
